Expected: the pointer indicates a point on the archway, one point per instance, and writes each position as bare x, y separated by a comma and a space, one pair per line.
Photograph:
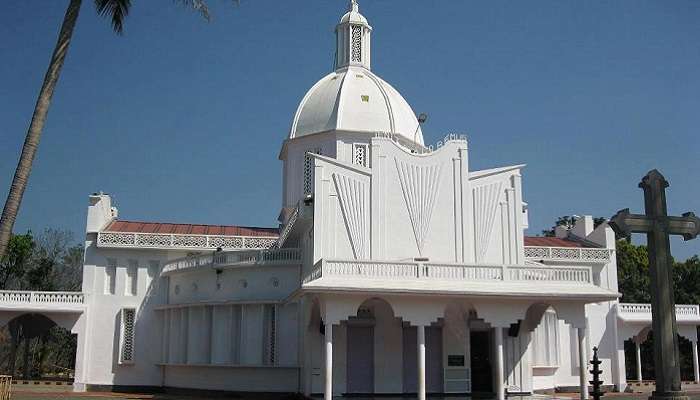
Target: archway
639, 357
37, 347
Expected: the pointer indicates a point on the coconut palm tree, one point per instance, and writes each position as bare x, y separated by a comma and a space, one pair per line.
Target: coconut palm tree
116, 11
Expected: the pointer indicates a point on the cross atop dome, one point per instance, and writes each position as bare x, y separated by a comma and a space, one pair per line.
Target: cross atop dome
353, 39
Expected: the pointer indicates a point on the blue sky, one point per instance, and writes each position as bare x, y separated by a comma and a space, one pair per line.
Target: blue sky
182, 120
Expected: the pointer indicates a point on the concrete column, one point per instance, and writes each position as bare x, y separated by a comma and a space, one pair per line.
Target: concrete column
421, 362
696, 367
583, 363
500, 387
328, 392
638, 351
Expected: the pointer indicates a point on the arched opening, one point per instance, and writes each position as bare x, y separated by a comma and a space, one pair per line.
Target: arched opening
550, 336
33, 346
645, 364
374, 347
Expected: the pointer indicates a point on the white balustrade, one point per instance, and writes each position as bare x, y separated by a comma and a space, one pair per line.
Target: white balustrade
31, 297
634, 308
163, 241
547, 274
447, 272
644, 310
220, 259
585, 254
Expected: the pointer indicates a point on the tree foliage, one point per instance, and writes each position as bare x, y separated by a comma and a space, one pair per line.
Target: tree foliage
13, 265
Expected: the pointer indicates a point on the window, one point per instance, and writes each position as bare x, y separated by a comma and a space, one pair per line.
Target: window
126, 349
309, 171
110, 276
545, 341
131, 278
359, 154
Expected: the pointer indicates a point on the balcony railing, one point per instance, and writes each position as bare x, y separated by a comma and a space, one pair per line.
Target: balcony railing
230, 258
582, 254
14, 297
447, 272
185, 242
640, 310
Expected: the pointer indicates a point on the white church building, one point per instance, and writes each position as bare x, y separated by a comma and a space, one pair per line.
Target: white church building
395, 269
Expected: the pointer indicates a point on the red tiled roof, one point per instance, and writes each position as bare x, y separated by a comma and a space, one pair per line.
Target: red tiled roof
189, 229
539, 241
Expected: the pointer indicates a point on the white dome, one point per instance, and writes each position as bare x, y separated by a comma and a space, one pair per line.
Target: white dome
353, 16
355, 99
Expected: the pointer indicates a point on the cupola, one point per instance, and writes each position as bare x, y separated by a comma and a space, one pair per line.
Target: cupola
353, 39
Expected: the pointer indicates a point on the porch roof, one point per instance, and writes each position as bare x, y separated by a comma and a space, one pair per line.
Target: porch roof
530, 290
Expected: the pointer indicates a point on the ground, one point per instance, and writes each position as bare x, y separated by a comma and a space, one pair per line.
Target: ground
52, 392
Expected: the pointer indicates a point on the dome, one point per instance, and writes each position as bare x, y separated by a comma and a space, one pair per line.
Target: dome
355, 99
352, 98
353, 16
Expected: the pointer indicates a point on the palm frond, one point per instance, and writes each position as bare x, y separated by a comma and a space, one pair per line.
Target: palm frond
116, 10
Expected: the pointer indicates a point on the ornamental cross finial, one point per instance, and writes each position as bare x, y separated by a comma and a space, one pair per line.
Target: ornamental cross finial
657, 225
353, 6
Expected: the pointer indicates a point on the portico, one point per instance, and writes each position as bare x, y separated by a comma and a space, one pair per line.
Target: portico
635, 323
370, 343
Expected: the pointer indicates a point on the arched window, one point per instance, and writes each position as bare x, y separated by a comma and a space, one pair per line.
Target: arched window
545, 341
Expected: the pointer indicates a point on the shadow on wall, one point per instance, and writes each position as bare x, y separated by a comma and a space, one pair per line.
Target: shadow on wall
137, 360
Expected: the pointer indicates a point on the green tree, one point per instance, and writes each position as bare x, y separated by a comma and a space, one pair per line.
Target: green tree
686, 280
633, 272
116, 11
13, 265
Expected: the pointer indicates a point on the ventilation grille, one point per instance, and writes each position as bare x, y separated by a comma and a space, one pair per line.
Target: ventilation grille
309, 171
127, 353
359, 156
357, 43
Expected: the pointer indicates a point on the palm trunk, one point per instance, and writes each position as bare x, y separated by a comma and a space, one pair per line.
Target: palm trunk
31, 142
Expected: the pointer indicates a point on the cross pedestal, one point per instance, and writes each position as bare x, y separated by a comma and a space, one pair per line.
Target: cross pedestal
657, 225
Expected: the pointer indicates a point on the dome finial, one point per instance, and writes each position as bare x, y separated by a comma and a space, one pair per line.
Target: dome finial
353, 6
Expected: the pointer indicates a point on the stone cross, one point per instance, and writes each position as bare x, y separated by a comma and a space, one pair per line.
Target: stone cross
657, 225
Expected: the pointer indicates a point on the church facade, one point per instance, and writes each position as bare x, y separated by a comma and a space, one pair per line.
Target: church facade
395, 269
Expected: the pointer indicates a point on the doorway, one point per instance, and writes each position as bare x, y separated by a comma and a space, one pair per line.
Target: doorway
360, 361
482, 375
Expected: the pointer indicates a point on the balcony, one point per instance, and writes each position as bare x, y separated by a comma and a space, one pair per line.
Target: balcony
526, 280
228, 259
638, 312
22, 300
568, 254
